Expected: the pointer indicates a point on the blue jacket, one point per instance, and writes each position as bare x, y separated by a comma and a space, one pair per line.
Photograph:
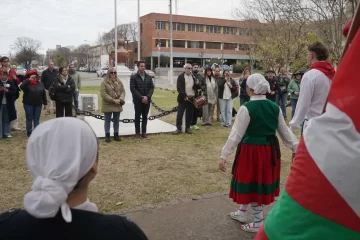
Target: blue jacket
10, 99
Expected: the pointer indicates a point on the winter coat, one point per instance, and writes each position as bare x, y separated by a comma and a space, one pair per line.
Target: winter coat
108, 93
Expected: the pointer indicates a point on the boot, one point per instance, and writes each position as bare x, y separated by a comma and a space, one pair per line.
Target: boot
107, 137
28, 133
117, 137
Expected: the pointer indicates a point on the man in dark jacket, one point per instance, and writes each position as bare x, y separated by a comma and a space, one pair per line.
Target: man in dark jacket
7, 103
197, 111
64, 88
283, 81
188, 88
48, 77
142, 89
274, 85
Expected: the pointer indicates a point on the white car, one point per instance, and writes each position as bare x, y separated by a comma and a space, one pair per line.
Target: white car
102, 72
148, 72
20, 71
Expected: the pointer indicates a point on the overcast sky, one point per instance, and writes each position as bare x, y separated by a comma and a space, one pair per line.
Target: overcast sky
70, 22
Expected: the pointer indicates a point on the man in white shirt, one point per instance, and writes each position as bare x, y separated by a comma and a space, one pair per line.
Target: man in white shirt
314, 88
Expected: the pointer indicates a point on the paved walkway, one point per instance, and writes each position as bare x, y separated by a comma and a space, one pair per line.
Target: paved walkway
206, 218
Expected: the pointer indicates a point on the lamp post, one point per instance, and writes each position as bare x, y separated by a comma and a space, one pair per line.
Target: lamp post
116, 39
87, 56
139, 31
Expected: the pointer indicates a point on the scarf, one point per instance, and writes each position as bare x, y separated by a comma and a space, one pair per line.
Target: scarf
324, 67
64, 79
34, 82
115, 87
211, 95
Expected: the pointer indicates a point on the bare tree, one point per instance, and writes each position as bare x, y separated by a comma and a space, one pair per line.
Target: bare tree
81, 54
26, 49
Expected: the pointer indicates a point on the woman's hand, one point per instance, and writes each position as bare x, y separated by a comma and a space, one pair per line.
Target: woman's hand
116, 101
222, 165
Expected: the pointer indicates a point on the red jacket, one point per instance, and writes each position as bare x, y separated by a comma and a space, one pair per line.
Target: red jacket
12, 74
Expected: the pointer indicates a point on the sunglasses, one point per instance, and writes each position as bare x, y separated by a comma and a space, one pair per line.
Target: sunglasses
112, 72
6, 61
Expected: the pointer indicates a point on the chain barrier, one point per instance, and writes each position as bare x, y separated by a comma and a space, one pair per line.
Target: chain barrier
102, 117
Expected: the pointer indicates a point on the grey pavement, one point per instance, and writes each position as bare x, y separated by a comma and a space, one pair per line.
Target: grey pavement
205, 218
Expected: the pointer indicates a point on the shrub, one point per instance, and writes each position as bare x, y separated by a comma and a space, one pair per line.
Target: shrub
239, 68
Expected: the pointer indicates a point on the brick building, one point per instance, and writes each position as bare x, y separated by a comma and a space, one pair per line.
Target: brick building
195, 39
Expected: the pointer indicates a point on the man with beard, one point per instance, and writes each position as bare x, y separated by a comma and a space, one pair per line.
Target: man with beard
77, 79
274, 85
48, 77
197, 111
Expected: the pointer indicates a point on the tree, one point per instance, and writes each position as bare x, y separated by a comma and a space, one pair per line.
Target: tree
26, 49
126, 31
81, 54
279, 31
65, 53
60, 61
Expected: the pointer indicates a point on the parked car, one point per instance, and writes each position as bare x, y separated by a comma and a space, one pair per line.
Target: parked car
20, 71
102, 72
149, 72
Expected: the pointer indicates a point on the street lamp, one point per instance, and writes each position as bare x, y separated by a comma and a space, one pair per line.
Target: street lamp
87, 55
171, 47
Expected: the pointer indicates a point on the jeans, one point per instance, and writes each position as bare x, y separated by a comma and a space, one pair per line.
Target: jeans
141, 110
189, 107
281, 99
32, 114
4, 121
76, 100
116, 123
226, 106
63, 106
293, 106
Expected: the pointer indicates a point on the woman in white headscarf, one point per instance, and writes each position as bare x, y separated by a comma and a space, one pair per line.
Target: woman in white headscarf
256, 169
57, 207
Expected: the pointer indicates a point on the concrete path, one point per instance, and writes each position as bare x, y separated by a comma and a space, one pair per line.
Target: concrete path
203, 219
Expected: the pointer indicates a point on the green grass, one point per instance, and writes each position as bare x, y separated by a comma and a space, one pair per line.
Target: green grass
134, 172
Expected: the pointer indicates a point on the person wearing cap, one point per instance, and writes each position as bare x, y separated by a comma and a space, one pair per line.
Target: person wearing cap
294, 90
256, 170
33, 99
62, 157
274, 85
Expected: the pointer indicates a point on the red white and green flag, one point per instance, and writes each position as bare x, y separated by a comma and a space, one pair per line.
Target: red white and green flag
321, 200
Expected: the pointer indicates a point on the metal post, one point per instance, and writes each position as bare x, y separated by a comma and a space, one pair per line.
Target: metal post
116, 40
171, 79
139, 31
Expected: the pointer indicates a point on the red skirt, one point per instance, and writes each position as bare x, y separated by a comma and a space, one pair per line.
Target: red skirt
256, 178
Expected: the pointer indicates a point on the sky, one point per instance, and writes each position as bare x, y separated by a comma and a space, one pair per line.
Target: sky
75, 22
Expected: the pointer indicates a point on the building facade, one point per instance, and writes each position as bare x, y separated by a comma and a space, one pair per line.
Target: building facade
195, 39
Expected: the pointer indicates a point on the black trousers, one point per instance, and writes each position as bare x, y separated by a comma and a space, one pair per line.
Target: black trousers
189, 107
196, 114
63, 106
141, 110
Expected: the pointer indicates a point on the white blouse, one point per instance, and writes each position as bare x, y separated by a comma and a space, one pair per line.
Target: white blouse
241, 124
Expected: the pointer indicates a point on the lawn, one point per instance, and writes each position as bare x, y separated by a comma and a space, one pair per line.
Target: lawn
134, 173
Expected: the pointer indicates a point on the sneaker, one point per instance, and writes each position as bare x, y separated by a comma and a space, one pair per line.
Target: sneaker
187, 131
194, 127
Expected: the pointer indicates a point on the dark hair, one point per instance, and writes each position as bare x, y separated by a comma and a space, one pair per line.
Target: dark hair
3, 59
320, 51
139, 62
4, 72
226, 70
61, 69
195, 64
246, 68
206, 70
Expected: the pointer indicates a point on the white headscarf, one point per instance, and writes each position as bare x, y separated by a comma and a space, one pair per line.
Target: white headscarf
258, 83
59, 153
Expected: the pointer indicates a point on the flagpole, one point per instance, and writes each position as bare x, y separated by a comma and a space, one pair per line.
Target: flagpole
139, 44
171, 48
116, 40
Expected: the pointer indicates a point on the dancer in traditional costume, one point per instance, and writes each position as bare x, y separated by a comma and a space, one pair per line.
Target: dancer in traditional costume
256, 170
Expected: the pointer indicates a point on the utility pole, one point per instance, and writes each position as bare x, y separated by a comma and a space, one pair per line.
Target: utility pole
171, 48
116, 40
139, 29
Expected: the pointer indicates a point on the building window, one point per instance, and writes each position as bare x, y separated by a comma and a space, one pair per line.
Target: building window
178, 26
243, 46
179, 43
213, 45
160, 25
162, 42
195, 44
243, 31
195, 27
230, 46
212, 29
229, 30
